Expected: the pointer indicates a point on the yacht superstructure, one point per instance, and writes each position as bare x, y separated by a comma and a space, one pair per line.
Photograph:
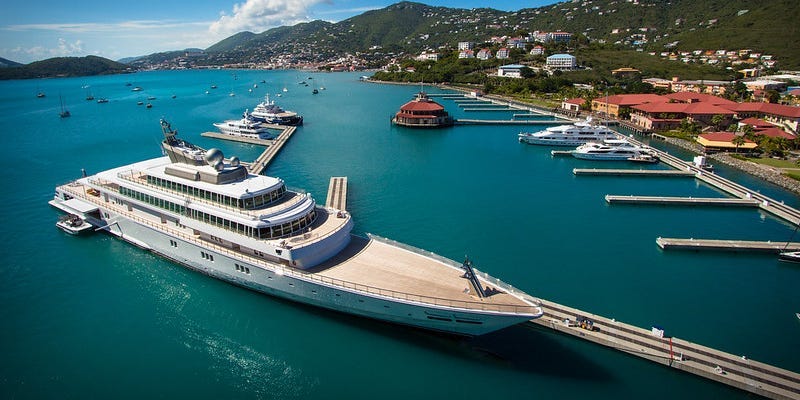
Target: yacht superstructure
206, 212
569, 135
246, 127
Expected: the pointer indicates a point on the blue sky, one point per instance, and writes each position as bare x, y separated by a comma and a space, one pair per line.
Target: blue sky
117, 29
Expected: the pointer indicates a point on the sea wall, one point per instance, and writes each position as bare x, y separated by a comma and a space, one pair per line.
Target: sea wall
765, 172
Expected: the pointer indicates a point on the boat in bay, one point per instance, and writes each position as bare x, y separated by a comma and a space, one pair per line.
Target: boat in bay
268, 112
208, 213
610, 150
245, 127
73, 224
570, 134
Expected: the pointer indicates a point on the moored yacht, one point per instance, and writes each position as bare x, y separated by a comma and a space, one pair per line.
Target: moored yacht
197, 208
267, 111
609, 150
245, 127
569, 135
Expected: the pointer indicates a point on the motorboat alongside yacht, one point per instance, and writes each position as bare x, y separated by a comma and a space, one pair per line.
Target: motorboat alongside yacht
246, 127
570, 135
610, 150
73, 224
208, 213
267, 111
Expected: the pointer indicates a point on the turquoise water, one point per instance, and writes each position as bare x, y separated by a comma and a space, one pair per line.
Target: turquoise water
95, 317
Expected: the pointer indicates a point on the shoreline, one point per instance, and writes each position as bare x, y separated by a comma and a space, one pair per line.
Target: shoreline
767, 173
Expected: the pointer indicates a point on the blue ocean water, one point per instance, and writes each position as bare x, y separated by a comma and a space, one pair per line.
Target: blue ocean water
95, 317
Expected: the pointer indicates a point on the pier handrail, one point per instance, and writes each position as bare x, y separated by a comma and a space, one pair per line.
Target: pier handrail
279, 269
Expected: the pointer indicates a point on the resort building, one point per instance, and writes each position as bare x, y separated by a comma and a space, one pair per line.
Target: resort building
502, 53
561, 62
723, 141
422, 112
510, 71
537, 50
787, 117
618, 104
465, 45
466, 54
484, 54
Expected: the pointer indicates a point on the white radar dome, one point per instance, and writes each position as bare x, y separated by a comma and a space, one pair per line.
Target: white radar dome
213, 156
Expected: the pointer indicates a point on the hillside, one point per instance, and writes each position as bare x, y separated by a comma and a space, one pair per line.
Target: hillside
648, 25
64, 67
4, 63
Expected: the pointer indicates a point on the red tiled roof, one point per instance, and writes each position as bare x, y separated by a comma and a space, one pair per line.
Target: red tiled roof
794, 92
766, 108
421, 106
756, 123
776, 133
689, 97
685, 108
632, 99
577, 100
721, 137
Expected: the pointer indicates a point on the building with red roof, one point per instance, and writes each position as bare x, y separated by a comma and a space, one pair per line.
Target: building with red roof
621, 103
778, 114
722, 141
665, 116
422, 112
572, 104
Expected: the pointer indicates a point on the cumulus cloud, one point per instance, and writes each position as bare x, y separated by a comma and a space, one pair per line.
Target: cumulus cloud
260, 15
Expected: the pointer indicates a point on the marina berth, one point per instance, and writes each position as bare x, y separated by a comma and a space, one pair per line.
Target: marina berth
611, 150
570, 134
247, 127
268, 112
208, 213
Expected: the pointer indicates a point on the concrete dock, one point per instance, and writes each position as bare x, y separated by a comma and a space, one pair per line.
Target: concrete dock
726, 245
684, 201
737, 371
337, 193
240, 139
463, 121
260, 164
632, 172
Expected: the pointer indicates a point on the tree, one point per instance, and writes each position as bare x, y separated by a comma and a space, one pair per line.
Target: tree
772, 96
737, 141
716, 120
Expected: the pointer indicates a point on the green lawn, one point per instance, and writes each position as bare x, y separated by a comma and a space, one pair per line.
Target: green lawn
771, 162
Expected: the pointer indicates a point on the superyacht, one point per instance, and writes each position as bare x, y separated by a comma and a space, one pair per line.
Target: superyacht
267, 111
569, 135
208, 213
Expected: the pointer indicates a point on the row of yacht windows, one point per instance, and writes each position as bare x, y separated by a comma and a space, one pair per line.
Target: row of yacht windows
247, 203
270, 232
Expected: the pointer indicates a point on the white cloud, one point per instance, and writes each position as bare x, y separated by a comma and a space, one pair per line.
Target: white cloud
260, 15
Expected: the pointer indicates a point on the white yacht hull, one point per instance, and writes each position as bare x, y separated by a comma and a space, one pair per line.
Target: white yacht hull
303, 288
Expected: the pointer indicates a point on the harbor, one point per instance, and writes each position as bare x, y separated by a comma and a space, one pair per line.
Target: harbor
405, 184
682, 201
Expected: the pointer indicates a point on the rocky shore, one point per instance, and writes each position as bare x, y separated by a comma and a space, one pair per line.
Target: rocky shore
765, 172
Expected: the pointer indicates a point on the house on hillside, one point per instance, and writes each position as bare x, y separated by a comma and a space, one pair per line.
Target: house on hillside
484, 54
510, 71
565, 62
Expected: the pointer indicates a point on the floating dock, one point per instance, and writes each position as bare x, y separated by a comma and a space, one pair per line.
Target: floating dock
726, 245
683, 201
737, 371
337, 193
462, 121
633, 172
560, 153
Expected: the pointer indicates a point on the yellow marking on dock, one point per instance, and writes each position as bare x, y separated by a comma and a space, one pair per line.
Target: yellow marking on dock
737, 371
685, 201
632, 172
729, 245
337, 193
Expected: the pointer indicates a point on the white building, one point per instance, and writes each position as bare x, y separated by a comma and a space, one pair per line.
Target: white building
561, 62
510, 71
465, 45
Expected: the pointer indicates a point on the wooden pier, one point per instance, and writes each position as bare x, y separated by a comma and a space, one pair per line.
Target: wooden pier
737, 371
683, 201
337, 193
726, 245
633, 172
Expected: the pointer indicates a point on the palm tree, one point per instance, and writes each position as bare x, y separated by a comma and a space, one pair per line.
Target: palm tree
737, 141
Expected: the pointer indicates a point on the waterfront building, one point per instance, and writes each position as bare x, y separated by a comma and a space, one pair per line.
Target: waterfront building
723, 141
422, 112
618, 104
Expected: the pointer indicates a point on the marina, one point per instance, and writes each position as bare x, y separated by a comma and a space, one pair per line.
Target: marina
244, 337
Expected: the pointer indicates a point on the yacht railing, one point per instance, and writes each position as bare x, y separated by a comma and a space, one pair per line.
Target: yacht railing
308, 276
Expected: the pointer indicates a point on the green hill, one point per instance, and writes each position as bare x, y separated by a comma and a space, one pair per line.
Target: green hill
64, 67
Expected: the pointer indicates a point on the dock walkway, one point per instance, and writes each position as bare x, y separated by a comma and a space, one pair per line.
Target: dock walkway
726, 245
260, 164
685, 201
337, 193
737, 371
632, 172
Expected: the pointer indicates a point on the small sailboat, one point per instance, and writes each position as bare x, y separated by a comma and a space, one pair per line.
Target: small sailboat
64, 112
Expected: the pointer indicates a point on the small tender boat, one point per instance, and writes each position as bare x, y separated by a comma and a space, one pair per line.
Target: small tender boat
102, 100
73, 224
645, 158
790, 256
136, 89
149, 105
